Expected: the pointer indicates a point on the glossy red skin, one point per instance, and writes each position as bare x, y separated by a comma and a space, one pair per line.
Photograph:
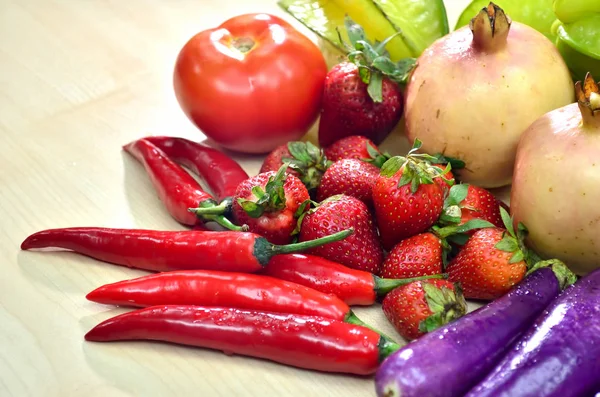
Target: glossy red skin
251, 102
355, 287
349, 110
351, 147
301, 341
273, 161
487, 205
224, 289
405, 307
483, 271
361, 250
221, 173
275, 226
402, 214
175, 187
419, 255
155, 250
350, 177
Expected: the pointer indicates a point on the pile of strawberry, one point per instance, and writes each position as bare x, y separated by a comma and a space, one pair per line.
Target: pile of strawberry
410, 218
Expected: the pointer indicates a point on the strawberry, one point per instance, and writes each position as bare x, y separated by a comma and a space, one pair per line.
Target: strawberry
422, 306
466, 202
362, 96
306, 162
425, 253
406, 199
267, 204
361, 250
492, 261
356, 147
350, 177
419, 255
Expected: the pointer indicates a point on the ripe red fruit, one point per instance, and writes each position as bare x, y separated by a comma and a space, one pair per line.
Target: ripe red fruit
356, 147
348, 109
466, 202
491, 262
361, 250
268, 202
419, 255
306, 162
406, 198
350, 177
422, 306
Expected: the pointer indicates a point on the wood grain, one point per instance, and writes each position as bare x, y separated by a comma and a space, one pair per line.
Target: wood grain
78, 79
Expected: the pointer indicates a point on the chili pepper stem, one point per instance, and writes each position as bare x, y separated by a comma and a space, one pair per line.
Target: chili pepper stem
222, 208
385, 285
385, 341
210, 211
289, 248
264, 250
226, 223
386, 348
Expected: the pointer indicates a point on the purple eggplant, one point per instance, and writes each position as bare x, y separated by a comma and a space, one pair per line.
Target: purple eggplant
559, 355
452, 359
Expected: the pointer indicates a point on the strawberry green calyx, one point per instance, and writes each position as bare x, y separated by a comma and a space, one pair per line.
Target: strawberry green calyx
373, 60
375, 156
452, 212
445, 304
515, 242
417, 169
443, 159
456, 233
308, 161
271, 199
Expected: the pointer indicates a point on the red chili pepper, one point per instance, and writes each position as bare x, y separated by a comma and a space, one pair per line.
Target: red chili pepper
176, 188
301, 341
221, 173
355, 287
216, 288
172, 250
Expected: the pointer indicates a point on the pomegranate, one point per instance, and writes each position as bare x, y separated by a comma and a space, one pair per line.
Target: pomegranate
476, 90
556, 184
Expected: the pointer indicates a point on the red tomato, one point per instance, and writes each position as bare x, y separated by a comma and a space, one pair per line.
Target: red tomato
252, 83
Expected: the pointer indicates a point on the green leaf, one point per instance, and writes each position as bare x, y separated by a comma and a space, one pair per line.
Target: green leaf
405, 179
431, 323
251, 208
375, 87
385, 65
507, 244
507, 221
314, 153
393, 165
459, 239
298, 150
416, 145
373, 152
414, 186
302, 208
355, 31
368, 50
258, 191
458, 193
365, 74
380, 47
517, 257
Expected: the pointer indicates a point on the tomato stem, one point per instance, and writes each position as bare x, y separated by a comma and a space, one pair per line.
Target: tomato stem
243, 44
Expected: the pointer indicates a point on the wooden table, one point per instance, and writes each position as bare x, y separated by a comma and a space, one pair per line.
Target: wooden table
78, 79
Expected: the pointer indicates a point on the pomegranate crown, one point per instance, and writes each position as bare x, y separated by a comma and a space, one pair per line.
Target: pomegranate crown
588, 94
373, 60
